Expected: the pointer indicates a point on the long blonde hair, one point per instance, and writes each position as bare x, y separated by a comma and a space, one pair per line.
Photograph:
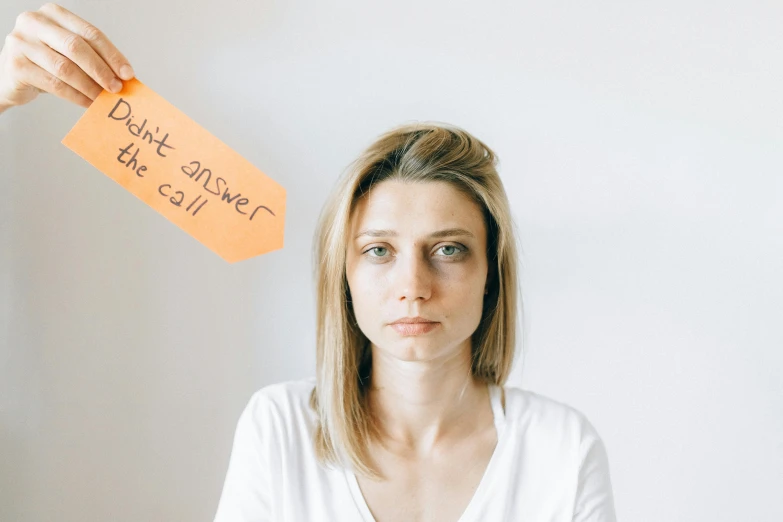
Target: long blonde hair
418, 152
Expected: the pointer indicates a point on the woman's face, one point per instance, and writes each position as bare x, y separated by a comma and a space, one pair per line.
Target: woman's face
417, 249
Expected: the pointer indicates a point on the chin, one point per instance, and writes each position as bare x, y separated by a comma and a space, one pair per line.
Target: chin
412, 349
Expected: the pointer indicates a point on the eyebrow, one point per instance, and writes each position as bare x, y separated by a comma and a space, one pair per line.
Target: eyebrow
448, 232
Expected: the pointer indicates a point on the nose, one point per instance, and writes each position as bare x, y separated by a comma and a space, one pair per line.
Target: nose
413, 277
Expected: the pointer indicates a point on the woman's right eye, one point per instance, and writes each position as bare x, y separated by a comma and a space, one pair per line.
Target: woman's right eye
375, 249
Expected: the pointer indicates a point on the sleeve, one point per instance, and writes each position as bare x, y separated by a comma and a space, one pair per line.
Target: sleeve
594, 498
247, 489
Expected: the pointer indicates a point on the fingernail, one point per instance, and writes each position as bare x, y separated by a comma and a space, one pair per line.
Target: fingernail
115, 85
126, 72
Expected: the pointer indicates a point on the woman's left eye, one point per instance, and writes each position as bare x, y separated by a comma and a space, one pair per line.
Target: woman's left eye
448, 250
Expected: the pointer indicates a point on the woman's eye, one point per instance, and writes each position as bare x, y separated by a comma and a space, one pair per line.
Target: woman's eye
451, 250
375, 250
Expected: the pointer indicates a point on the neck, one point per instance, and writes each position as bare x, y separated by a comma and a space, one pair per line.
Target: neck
420, 404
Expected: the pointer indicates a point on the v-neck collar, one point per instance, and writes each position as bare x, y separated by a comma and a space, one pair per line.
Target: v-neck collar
474, 505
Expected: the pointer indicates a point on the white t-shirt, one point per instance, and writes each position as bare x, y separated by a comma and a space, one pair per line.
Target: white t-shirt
549, 465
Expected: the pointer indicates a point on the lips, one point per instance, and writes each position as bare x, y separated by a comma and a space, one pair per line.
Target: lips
417, 319
414, 328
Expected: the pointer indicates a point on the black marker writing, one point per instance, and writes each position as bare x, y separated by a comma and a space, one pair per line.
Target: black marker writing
131, 163
195, 172
177, 201
123, 106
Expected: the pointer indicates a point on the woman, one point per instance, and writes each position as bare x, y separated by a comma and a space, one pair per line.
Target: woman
408, 417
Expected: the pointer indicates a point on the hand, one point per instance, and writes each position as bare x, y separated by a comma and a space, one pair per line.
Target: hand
53, 50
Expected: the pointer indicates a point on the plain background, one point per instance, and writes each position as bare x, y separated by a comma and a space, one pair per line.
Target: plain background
640, 146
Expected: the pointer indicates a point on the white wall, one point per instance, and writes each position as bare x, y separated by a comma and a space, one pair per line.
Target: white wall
640, 145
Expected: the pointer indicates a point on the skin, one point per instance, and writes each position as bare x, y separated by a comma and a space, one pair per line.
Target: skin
436, 421
53, 50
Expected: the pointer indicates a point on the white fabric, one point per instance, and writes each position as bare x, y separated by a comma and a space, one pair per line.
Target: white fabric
549, 465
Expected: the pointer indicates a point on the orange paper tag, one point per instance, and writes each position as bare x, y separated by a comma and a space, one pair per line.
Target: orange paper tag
174, 165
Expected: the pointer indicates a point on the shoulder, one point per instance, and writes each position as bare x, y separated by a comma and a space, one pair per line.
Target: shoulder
282, 406
285, 394
545, 421
528, 407
553, 445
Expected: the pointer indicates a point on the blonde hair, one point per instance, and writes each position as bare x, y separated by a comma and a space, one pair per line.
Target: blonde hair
417, 152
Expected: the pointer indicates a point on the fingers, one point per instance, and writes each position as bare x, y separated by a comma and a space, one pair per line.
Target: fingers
58, 67
72, 47
93, 37
53, 50
47, 82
